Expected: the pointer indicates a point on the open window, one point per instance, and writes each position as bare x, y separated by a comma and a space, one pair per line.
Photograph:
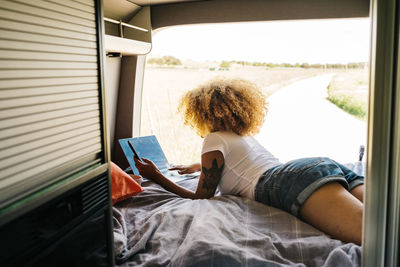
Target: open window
315, 74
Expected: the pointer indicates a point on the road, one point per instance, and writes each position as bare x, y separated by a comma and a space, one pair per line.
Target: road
301, 122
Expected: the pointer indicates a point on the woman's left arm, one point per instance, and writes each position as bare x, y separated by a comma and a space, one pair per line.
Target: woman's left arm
212, 164
211, 169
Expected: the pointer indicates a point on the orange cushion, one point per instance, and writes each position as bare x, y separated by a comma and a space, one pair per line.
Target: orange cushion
123, 186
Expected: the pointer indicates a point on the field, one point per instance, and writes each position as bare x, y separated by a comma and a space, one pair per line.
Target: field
349, 91
164, 86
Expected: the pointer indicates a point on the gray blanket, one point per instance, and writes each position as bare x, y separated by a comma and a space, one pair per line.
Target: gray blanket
158, 228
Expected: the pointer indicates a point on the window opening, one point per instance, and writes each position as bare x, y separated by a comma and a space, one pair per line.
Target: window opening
314, 72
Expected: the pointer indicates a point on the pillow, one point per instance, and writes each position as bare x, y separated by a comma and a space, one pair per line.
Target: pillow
123, 186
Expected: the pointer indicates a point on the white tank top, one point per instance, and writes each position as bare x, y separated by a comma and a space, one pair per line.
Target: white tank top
245, 161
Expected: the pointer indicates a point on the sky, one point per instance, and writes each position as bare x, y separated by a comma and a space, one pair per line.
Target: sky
302, 41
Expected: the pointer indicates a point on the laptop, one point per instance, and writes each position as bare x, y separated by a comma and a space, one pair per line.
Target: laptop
149, 147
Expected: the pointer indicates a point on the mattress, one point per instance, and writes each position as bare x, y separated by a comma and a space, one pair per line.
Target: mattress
159, 228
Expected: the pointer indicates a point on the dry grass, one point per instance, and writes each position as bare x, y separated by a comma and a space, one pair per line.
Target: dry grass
163, 88
349, 91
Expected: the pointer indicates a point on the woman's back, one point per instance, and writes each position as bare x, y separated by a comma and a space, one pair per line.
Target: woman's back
245, 161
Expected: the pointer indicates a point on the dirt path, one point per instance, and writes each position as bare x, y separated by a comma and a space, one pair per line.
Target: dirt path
301, 122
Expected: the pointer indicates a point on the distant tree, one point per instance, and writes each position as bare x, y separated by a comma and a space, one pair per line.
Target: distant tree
258, 64
285, 65
305, 65
165, 60
317, 66
225, 64
335, 66
153, 60
169, 60
359, 65
271, 65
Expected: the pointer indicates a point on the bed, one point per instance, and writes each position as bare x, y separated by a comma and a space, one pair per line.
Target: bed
158, 228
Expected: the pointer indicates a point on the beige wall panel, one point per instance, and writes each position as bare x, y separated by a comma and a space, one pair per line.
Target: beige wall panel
27, 55
26, 83
17, 45
14, 64
52, 160
16, 74
86, 2
37, 126
30, 28
45, 39
32, 118
17, 149
47, 14
38, 100
74, 4
111, 79
15, 112
124, 119
31, 136
50, 111
51, 23
24, 92
59, 8
10, 161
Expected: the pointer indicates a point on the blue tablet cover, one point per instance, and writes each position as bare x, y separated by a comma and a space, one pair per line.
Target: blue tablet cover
147, 147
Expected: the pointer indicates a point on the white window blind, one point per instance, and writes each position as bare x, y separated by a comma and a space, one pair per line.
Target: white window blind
50, 110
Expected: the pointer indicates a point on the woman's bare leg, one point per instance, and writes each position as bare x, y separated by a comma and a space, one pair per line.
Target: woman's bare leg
335, 211
358, 192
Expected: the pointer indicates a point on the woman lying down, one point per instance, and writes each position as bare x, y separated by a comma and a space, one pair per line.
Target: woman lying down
227, 112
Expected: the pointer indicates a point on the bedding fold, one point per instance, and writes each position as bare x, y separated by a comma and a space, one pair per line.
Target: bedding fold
158, 228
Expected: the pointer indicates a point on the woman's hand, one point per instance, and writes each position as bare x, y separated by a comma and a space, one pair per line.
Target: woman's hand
186, 169
147, 169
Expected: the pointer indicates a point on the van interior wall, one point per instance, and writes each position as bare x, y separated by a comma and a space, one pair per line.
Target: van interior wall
124, 109
220, 11
111, 78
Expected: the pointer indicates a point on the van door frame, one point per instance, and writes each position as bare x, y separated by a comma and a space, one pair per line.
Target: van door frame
381, 217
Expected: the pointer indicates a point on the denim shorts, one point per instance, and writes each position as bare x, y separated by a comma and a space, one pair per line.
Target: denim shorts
287, 186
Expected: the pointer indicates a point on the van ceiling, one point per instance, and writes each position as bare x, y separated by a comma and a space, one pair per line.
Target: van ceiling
125, 9
178, 12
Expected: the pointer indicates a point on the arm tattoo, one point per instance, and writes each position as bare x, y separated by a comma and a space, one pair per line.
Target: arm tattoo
212, 176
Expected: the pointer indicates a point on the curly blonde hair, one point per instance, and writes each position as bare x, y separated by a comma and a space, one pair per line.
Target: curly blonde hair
224, 104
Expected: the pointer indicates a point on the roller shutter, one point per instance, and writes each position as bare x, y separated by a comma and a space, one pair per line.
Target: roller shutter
50, 108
